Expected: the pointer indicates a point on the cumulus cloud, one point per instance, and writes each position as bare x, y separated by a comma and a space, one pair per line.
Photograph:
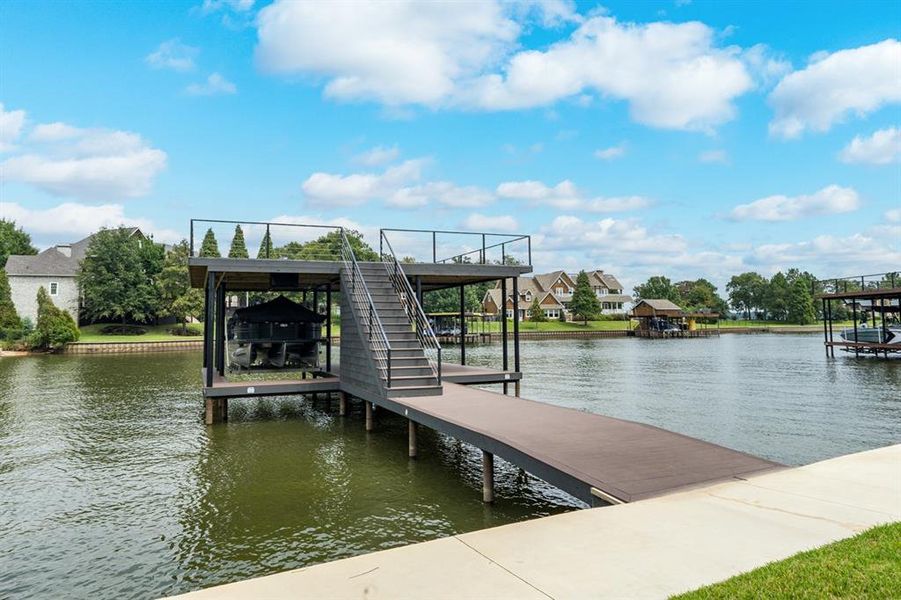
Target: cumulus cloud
174, 55
444, 193
893, 215
830, 255
480, 222
209, 6
830, 200
71, 221
215, 85
92, 164
377, 156
856, 81
11, 123
394, 52
883, 147
611, 152
714, 156
353, 190
566, 196
447, 54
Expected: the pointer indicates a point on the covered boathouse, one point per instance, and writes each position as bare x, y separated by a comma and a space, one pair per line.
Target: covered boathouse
873, 302
390, 357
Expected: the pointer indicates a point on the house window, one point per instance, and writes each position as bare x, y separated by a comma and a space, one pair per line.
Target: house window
528, 296
509, 313
552, 313
54, 288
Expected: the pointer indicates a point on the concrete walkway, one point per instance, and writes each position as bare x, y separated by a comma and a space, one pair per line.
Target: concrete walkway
647, 549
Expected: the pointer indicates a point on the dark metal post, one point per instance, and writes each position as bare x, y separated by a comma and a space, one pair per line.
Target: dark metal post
419, 290
854, 313
503, 313
192, 237
316, 301
268, 240
529, 240
328, 328
503, 254
434, 249
884, 331
208, 327
483, 248
825, 330
516, 324
462, 325
220, 329
831, 336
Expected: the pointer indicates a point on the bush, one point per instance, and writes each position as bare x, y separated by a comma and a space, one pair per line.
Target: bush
55, 327
191, 329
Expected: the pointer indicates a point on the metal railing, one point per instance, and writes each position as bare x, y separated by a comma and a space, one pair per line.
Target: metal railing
266, 240
858, 283
354, 285
480, 248
425, 334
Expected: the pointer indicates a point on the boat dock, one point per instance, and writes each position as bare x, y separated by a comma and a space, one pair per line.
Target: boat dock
866, 295
390, 359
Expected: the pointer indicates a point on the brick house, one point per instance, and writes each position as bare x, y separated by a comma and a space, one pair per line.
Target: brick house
554, 292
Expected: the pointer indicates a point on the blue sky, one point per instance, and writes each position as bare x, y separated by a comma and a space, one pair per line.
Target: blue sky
684, 138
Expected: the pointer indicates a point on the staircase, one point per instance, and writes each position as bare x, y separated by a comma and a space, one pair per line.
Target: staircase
385, 335
411, 372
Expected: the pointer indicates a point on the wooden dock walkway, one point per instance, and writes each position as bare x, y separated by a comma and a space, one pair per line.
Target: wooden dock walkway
595, 458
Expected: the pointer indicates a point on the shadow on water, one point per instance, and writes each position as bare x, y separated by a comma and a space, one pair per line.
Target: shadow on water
111, 486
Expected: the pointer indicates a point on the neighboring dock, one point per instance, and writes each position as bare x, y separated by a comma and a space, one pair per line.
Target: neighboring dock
875, 294
650, 549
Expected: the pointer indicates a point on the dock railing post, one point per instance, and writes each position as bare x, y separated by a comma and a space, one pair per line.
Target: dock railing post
434, 248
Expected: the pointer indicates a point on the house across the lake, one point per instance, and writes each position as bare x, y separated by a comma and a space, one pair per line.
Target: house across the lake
56, 269
554, 292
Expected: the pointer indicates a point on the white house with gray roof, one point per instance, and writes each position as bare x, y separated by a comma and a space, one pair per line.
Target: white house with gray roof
56, 269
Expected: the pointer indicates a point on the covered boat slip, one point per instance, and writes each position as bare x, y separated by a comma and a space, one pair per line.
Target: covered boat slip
865, 297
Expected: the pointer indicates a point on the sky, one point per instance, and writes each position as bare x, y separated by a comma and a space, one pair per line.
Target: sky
683, 138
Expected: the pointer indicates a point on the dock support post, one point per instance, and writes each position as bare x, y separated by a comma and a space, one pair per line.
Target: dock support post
825, 329
220, 329
411, 437
215, 410
342, 404
462, 325
328, 328
208, 329
502, 310
487, 477
516, 325
209, 416
369, 426
419, 290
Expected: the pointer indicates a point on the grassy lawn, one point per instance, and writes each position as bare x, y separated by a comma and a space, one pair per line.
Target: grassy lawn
743, 323
91, 333
495, 327
865, 566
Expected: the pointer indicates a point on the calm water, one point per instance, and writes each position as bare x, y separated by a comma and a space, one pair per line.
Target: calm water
111, 487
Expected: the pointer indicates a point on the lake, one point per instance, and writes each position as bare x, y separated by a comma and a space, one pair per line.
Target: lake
111, 486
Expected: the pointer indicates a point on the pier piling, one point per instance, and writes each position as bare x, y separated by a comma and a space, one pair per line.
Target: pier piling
369, 425
342, 404
411, 435
487, 477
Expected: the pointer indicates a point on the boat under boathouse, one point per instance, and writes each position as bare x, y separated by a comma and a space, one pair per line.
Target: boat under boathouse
390, 357
873, 302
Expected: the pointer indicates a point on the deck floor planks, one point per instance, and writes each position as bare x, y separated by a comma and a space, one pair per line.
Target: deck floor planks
626, 459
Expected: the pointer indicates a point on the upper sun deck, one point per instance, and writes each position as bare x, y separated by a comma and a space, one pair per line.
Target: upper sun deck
878, 286
294, 257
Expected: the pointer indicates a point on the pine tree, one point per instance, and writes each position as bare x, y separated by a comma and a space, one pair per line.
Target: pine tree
536, 313
238, 248
209, 248
266, 247
55, 327
584, 303
10, 323
800, 304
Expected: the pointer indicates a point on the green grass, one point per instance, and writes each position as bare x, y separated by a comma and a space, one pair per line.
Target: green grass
495, 326
867, 566
744, 323
159, 333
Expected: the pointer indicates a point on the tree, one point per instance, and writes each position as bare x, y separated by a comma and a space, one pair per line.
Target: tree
775, 297
265, 250
536, 313
800, 304
700, 294
238, 248
658, 287
113, 279
55, 327
584, 303
10, 323
13, 240
209, 248
177, 298
746, 291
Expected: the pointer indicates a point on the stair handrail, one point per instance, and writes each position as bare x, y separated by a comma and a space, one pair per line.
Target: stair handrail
360, 298
421, 325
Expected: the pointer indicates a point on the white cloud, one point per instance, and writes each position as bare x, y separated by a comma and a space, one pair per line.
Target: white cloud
174, 55
855, 81
215, 85
565, 196
466, 55
235, 5
71, 221
444, 193
353, 190
611, 152
92, 164
401, 52
11, 123
378, 156
830, 200
828, 255
881, 148
714, 156
671, 75
480, 222
893, 215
